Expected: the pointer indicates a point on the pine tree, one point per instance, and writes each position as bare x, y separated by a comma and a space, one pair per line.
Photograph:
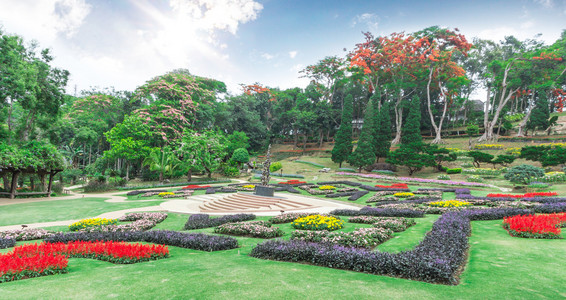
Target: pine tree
411, 130
540, 114
343, 142
382, 139
364, 154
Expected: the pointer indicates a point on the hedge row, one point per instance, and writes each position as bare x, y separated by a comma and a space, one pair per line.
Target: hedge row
379, 212
196, 241
438, 258
198, 221
7, 243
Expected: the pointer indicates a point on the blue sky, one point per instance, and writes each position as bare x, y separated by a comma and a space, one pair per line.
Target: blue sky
124, 43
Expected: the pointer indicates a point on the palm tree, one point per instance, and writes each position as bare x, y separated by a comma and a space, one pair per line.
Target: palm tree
160, 160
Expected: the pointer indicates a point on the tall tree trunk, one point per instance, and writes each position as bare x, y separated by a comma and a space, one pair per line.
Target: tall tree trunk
398, 124
437, 128
321, 138
127, 171
31, 183
42, 179
190, 175
160, 177
50, 184
295, 138
527, 115
14, 185
305, 143
6, 182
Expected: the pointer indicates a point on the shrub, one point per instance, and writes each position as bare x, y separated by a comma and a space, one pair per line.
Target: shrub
443, 177
276, 166
394, 224
198, 221
288, 217
379, 212
475, 178
257, 229
7, 242
360, 238
454, 171
523, 174
480, 157
482, 171
85, 223
94, 186
387, 167
196, 241
318, 222
231, 171
241, 155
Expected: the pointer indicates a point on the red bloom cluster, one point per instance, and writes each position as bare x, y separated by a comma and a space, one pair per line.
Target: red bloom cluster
394, 186
535, 226
292, 181
527, 195
33, 260
195, 187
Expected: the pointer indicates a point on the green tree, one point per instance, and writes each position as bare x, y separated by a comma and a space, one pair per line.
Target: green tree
161, 160
276, 166
411, 157
382, 140
411, 130
540, 114
480, 157
237, 139
343, 139
203, 150
364, 154
241, 156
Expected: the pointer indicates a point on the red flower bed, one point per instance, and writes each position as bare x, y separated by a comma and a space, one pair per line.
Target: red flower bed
393, 186
35, 260
195, 187
535, 226
293, 181
527, 195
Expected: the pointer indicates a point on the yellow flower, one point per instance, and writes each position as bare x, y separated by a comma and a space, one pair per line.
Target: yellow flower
449, 203
403, 195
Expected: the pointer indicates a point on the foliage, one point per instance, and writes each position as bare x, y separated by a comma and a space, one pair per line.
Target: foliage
84, 223
203, 150
318, 222
257, 229
504, 159
241, 156
411, 130
360, 238
364, 154
454, 171
198, 221
276, 166
480, 157
35, 155
382, 139
449, 203
412, 158
310, 163
343, 139
523, 173
535, 226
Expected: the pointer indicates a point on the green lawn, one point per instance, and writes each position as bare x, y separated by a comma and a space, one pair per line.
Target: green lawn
499, 266
61, 210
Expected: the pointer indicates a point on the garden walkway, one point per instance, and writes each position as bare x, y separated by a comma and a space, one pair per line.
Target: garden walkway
217, 204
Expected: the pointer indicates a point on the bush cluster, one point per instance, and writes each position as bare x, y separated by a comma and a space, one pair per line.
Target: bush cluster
318, 222
379, 212
454, 171
257, 229
523, 174
7, 243
198, 221
360, 238
196, 241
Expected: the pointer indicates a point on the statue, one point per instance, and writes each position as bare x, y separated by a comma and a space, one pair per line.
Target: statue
265, 173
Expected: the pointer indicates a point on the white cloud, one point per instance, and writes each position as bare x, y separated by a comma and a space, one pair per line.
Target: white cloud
292, 54
267, 56
218, 14
527, 24
545, 3
371, 21
297, 68
44, 20
497, 34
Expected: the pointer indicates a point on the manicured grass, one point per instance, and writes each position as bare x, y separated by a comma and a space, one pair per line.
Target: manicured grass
60, 210
499, 266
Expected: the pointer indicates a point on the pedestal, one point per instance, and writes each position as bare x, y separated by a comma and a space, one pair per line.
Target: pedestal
264, 191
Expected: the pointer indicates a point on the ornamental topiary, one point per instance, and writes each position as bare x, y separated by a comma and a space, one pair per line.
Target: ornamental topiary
523, 174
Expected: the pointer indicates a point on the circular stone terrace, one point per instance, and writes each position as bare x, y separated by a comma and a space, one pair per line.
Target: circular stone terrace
241, 202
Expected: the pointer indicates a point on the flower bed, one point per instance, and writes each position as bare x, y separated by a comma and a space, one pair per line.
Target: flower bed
526, 195
166, 194
196, 241
481, 171
393, 186
360, 238
403, 195
313, 190
195, 187
318, 222
135, 193
25, 234
35, 260
288, 217
326, 187
85, 223
395, 224
198, 221
7, 242
257, 229
141, 222
535, 226
438, 258
292, 182
449, 203
488, 147
379, 212
411, 179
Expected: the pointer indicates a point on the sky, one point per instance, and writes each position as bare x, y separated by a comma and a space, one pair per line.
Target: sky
124, 43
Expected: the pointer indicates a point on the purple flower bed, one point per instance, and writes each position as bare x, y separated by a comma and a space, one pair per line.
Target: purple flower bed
438, 258
288, 188
138, 192
198, 221
196, 241
7, 243
379, 212
411, 179
210, 190
530, 199
289, 217
336, 195
357, 195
